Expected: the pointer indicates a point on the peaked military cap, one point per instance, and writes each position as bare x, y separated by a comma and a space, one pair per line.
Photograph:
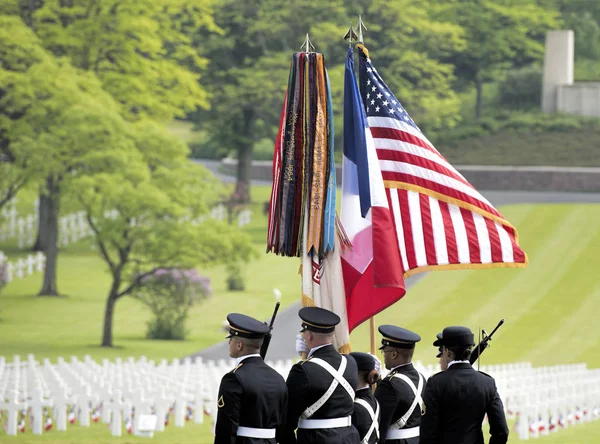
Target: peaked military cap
455, 336
364, 361
318, 319
397, 337
244, 326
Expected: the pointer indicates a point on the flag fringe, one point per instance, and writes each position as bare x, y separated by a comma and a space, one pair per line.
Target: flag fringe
426, 268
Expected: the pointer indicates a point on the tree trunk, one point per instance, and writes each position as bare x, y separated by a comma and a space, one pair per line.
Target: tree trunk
113, 295
41, 242
245, 147
51, 250
107, 339
479, 98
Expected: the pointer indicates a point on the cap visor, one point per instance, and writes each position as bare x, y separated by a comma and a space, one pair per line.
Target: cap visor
437, 343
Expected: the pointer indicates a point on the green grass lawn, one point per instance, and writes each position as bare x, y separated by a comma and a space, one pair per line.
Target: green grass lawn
202, 434
549, 308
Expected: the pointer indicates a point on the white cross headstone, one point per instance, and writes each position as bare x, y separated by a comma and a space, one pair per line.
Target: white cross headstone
83, 402
199, 412
105, 397
180, 406
116, 420
20, 268
60, 400
161, 405
37, 405
30, 264
40, 261
12, 406
141, 408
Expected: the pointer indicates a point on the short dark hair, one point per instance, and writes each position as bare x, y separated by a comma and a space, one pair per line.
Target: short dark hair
252, 343
460, 352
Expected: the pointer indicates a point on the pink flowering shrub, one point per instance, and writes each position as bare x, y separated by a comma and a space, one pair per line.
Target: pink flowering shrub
169, 293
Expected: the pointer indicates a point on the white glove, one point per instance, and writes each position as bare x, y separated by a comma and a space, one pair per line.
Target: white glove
301, 344
377, 363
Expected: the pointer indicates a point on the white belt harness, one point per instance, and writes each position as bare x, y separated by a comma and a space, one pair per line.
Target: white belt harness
396, 430
251, 432
338, 379
374, 415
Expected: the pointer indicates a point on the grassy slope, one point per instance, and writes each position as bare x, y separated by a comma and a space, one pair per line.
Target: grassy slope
548, 307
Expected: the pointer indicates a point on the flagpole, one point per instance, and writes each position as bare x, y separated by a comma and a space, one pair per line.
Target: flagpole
372, 328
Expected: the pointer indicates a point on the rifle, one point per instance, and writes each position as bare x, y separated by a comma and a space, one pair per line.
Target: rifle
267, 340
484, 343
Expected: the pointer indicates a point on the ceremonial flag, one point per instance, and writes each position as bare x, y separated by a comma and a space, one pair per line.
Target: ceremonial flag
372, 267
441, 221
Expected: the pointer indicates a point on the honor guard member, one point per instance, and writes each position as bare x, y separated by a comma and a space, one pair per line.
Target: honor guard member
399, 393
457, 399
321, 388
366, 408
252, 398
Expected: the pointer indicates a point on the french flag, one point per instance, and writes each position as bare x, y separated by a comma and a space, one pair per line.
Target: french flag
372, 268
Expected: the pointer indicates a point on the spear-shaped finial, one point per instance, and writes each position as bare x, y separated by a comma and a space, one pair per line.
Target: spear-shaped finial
307, 46
361, 26
351, 35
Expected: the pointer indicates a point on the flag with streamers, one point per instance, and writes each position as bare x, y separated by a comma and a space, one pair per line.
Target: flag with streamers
302, 213
303, 165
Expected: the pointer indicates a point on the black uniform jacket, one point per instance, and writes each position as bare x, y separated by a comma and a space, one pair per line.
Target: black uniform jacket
361, 418
251, 395
306, 383
456, 402
395, 398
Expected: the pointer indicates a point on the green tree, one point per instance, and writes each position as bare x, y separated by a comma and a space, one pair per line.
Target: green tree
19, 153
499, 33
407, 46
144, 215
142, 53
250, 64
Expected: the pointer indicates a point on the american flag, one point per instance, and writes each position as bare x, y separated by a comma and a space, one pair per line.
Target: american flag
442, 221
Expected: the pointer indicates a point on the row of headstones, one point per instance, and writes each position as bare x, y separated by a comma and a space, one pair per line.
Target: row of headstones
117, 390
74, 227
139, 395
545, 401
21, 268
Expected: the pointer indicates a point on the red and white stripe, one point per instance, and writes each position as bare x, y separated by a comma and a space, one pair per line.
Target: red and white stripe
431, 232
406, 156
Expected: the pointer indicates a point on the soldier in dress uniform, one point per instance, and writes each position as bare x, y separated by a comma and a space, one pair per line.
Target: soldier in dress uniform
252, 398
399, 393
366, 408
457, 399
321, 388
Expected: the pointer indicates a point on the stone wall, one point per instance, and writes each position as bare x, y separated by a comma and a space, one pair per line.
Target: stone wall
515, 178
581, 98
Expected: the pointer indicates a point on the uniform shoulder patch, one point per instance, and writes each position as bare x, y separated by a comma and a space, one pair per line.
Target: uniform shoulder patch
221, 402
237, 368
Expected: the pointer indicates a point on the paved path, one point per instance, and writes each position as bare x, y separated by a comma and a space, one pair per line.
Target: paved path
287, 323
